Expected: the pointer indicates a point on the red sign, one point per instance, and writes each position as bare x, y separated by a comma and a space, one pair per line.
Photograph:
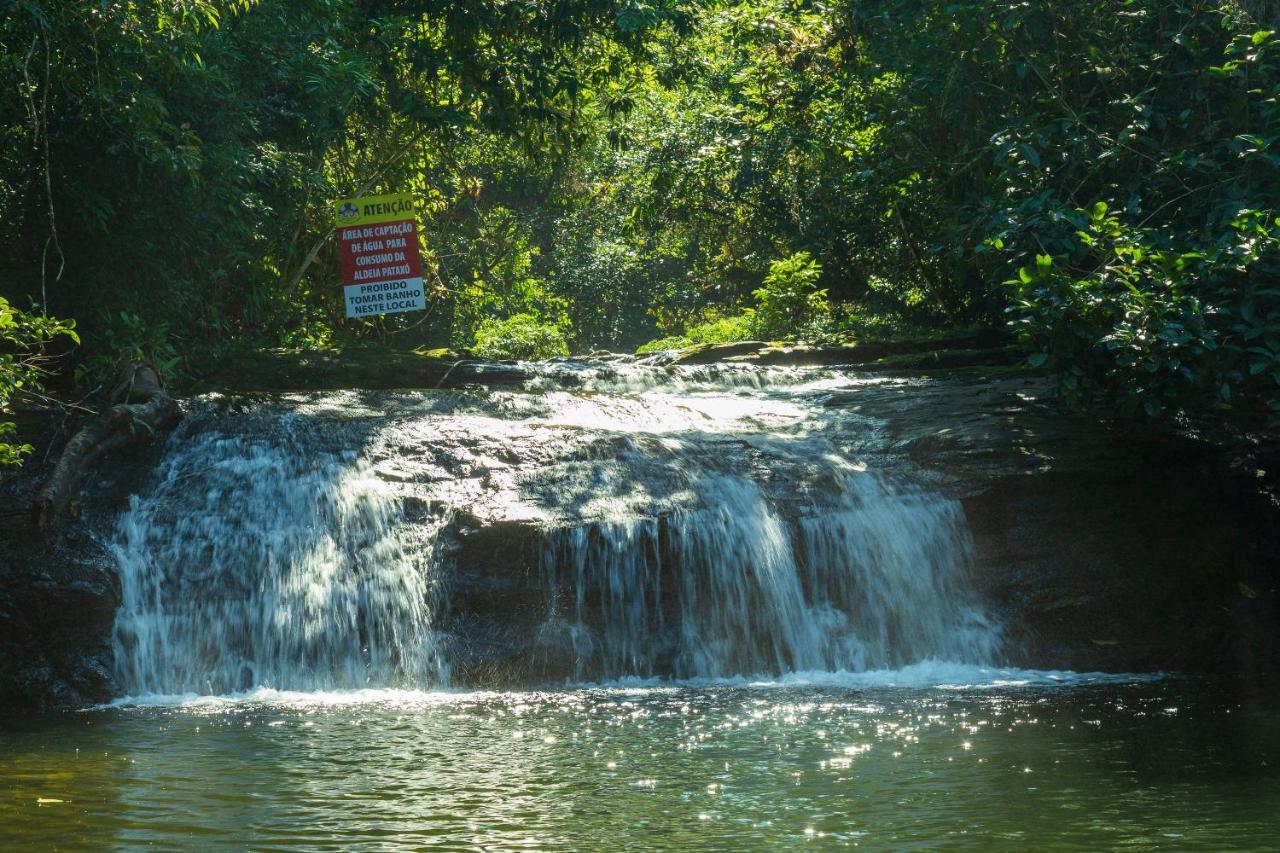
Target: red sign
381, 264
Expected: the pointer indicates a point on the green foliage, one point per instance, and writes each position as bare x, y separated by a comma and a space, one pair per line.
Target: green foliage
662, 345
615, 169
125, 338
178, 161
22, 366
719, 328
1157, 324
713, 328
787, 307
850, 322
1162, 296
521, 336
606, 285
790, 300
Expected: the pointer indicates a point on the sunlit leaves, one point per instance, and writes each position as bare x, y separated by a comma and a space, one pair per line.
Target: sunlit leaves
23, 335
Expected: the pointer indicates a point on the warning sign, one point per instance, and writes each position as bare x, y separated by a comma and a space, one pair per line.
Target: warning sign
381, 265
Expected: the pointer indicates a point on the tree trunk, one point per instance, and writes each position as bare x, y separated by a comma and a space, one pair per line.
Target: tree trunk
1262, 11
139, 407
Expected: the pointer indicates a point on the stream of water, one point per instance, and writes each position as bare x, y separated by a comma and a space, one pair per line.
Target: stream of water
753, 623
695, 525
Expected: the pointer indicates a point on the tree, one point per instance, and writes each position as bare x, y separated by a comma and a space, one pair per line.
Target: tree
22, 367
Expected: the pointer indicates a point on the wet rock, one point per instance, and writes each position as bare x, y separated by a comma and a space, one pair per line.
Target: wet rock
711, 353
57, 606
499, 605
1105, 546
364, 368
988, 347
1093, 570
59, 590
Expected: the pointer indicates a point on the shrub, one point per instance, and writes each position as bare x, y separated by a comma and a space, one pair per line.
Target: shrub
520, 336
21, 337
714, 328
123, 338
721, 329
1162, 321
661, 344
790, 300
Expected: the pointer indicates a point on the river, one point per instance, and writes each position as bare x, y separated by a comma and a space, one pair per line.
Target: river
622, 604
1167, 764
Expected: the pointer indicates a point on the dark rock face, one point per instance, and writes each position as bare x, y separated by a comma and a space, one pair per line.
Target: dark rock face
58, 601
1122, 573
991, 347
498, 603
712, 353
297, 370
59, 589
1107, 548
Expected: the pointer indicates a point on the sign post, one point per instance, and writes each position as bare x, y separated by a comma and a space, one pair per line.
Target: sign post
381, 265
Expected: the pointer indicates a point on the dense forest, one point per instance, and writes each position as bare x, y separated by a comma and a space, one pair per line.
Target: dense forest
1101, 176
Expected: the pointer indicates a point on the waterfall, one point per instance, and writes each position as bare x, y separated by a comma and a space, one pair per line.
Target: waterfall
259, 560
876, 581
708, 530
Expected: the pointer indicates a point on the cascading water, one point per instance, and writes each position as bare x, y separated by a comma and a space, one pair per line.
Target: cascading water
696, 524
874, 582
261, 560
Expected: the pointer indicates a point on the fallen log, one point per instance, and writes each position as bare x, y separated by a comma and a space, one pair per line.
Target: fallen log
138, 407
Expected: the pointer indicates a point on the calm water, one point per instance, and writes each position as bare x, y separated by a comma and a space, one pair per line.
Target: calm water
1165, 764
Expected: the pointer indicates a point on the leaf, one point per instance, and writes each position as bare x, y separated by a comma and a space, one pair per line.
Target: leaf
1246, 590
1037, 359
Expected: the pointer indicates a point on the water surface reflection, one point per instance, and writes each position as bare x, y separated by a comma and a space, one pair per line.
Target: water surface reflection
1096, 766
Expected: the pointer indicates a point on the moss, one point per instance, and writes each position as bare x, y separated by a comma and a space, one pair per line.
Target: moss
327, 370
443, 352
983, 347
1003, 358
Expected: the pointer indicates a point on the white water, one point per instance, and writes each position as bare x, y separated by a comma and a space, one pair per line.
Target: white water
874, 582
701, 525
926, 674
263, 561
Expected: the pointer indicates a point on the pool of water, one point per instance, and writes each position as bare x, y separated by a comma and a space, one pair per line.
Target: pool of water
1168, 763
